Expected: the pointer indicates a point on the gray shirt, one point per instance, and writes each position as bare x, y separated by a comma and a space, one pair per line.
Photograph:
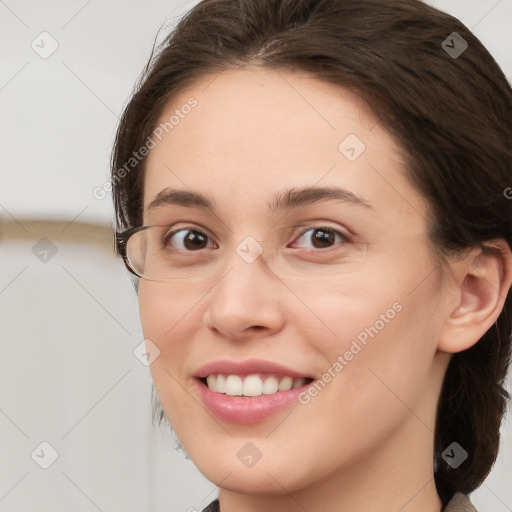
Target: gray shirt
459, 503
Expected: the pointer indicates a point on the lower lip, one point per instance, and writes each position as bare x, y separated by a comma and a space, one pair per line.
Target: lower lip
247, 410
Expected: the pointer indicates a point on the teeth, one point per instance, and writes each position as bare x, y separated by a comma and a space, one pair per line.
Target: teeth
286, 384
252, 385
270, 385
297, 383
220, 385
233, 385
211, 380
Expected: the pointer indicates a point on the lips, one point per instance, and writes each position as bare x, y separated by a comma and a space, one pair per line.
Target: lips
248, 367
249, 391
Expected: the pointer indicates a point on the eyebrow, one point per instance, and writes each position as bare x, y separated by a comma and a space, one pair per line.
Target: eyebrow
285, 200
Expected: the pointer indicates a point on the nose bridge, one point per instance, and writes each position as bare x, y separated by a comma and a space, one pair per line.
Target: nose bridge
246, 295
250, 249
247, 258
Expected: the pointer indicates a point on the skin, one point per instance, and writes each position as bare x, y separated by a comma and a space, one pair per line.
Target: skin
365, 442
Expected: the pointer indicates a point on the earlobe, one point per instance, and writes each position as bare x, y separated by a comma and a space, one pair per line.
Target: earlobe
483, 278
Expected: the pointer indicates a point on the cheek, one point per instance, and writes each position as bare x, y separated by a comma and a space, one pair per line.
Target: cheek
164, 310
380, 323
377, 362
167, 318
154, 307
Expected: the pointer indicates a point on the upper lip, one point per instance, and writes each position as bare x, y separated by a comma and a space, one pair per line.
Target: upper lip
247, 367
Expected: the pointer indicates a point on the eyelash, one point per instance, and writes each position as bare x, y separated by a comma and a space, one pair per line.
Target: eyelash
344, 238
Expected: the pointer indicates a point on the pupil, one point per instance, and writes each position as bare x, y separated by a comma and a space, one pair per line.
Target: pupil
194, 240
323, 238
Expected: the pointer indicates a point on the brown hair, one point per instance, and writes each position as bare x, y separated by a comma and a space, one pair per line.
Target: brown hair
451, 114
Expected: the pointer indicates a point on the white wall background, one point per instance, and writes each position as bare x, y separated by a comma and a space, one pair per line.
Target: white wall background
68, 316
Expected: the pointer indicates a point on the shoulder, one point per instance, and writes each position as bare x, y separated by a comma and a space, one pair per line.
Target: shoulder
460, 503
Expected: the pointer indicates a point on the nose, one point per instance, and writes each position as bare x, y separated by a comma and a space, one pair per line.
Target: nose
246, 301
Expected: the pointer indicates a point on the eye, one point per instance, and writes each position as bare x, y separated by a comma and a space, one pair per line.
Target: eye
188, 239
322, 237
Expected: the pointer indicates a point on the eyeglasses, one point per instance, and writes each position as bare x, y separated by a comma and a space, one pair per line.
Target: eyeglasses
164, 253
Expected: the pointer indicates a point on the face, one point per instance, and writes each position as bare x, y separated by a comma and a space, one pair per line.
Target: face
344, 299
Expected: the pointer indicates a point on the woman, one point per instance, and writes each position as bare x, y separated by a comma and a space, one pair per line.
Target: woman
312, 197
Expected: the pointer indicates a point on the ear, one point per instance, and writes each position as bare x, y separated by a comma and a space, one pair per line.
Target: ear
481, 283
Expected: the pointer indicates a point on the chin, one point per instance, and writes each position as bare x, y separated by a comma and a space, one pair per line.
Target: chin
261, 480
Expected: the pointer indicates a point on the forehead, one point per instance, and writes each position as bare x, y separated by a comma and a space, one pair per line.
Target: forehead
254, 132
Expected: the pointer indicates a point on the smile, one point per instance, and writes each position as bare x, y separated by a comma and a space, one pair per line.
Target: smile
247, 392
252, 385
